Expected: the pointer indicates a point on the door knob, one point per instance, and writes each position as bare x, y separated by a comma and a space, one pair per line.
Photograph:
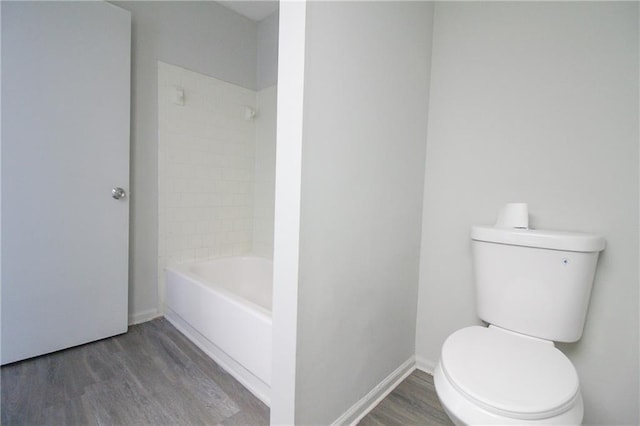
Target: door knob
118, 193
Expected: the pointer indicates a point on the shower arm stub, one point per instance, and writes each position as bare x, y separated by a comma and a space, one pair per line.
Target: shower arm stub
249, 113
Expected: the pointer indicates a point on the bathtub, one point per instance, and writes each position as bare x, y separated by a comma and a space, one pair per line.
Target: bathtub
224, 307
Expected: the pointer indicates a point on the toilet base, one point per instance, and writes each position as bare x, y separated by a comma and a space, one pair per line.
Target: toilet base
462, 411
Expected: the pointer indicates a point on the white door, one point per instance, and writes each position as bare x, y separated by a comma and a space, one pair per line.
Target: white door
65, 145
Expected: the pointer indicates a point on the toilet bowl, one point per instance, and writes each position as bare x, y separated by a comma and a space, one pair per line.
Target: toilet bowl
489, 375
532, 288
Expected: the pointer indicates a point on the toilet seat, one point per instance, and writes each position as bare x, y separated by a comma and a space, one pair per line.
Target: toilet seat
509, 374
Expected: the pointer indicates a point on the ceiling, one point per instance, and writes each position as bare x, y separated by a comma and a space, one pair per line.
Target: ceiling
255, 10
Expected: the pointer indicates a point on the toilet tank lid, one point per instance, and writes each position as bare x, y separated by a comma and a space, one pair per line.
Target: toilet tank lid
553, 240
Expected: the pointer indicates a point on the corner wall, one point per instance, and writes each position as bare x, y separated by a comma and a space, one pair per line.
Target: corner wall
365, 121
537, 102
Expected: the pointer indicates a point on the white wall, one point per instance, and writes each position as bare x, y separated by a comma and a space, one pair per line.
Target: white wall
365, 110
537, 102
201, 36
267, 59
291, 56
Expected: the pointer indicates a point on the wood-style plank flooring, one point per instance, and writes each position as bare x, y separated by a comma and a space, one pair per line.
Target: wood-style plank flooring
412, 402
153, 375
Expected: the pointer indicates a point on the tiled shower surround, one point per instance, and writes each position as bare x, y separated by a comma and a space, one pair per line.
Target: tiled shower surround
208, 194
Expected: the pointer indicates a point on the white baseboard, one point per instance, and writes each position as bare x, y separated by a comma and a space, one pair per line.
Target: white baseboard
361, 408
425, 365
260, 389
144, 316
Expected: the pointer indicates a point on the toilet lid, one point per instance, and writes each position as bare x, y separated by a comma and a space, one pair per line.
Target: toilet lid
510, 374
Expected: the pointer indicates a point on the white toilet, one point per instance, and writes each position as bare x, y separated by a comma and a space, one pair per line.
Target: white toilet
532, 288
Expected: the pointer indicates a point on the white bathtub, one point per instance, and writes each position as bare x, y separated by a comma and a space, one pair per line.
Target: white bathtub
224, 307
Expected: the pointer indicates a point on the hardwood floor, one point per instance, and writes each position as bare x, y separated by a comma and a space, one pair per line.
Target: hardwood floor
150, 375
153, 375
413, 402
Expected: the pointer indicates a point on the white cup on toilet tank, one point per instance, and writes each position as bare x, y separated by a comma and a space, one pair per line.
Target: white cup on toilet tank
513, 215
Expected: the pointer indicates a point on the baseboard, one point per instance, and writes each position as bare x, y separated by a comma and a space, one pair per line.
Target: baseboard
425, 365
361, 408
257, 387
144, 316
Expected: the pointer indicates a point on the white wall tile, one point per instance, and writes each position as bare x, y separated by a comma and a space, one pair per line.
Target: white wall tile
206, 163
216, 169
264, 172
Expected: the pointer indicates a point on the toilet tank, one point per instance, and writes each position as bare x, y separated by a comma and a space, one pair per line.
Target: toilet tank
534, 282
